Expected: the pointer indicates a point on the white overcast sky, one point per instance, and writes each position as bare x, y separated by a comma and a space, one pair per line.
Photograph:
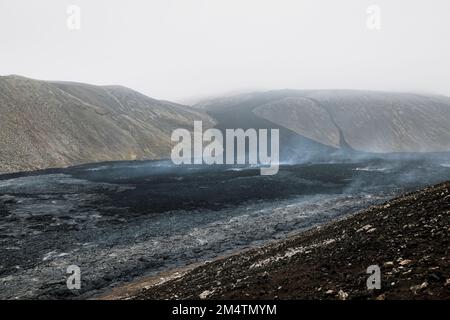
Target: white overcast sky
177, 49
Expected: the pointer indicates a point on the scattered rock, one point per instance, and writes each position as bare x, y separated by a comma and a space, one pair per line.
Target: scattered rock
405, 262
205, 294
419, 288
365, 228
435, 276
447, 283
381, 297
342, 295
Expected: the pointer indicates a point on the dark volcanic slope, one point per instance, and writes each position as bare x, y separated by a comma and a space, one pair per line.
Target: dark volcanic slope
55, 124
407, 237
239, 112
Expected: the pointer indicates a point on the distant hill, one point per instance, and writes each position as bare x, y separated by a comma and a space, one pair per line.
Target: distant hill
360, 121
53, 124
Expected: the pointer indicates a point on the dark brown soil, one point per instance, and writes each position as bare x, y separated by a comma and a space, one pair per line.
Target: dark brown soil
408, 238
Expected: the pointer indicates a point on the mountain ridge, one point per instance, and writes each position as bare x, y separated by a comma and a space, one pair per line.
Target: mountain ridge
55, 124
370, 121
48, 124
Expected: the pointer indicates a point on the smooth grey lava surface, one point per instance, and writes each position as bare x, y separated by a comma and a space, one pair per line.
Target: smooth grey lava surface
120, 221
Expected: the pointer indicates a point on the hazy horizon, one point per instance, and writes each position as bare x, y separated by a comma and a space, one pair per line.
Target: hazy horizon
182, 50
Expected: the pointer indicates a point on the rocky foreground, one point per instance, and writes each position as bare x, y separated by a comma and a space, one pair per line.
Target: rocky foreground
408, 237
